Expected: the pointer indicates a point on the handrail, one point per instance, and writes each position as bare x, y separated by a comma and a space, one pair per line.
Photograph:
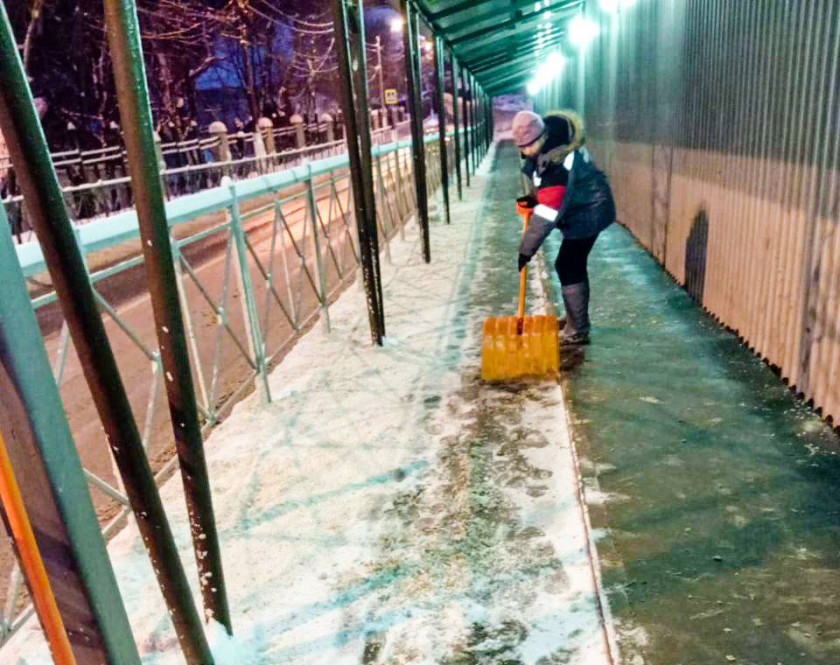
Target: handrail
121, 227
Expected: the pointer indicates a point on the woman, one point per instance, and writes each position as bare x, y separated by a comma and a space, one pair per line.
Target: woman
569, 193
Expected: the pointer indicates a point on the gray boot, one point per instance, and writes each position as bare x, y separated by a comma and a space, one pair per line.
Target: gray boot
576, 302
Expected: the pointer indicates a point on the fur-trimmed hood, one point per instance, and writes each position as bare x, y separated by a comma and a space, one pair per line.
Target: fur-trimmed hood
559, 153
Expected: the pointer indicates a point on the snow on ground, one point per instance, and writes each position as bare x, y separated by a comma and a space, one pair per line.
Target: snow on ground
387, 507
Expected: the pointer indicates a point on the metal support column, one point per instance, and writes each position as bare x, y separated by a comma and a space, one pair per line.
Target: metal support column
123, 31
48, 215
47, 465
476, 118
456, 120
490, 119
411, 35
480, 122
440, 80
352, 73
467, 125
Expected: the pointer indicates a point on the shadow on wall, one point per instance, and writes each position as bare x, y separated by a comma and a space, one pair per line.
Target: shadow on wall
695, 256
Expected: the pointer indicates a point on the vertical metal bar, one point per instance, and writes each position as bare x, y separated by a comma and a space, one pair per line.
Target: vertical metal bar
285, 261
44, 456
477, 110
456, 114
123, 31
251, 317
312, 204
352, 63
49, 217
411, 35
193, 341
440, 76
467, 125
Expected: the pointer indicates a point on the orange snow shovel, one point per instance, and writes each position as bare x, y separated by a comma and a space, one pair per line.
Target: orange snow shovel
520, 346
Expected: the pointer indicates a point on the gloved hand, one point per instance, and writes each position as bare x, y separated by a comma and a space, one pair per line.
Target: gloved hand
523, 261
528, 201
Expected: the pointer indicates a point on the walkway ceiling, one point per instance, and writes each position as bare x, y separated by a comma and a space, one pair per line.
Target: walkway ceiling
497, 39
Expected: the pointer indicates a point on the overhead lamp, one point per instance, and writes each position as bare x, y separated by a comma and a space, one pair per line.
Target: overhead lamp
397, 24
582, 31
549, 70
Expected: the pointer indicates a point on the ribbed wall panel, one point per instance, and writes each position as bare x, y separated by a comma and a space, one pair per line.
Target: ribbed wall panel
718, 122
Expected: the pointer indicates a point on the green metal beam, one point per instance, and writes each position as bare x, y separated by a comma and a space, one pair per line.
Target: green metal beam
348, 19
56, 236
48, 469
413, 64
454, 9
440, 80
123, 30
456, 119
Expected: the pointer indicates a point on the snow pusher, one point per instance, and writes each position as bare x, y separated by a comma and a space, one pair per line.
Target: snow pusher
520, 346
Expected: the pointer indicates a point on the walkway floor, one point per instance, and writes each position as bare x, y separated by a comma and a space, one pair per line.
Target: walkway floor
389, 508
718, 492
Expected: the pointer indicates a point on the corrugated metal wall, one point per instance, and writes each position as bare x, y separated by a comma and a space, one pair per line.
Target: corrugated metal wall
718, 122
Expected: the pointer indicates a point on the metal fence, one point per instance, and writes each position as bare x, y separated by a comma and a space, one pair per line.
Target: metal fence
186, 173
719, 125
258, 262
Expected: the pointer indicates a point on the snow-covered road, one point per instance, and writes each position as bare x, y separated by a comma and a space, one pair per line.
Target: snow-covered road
388, 507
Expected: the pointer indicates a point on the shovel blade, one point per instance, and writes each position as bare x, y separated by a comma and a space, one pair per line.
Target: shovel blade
506, 354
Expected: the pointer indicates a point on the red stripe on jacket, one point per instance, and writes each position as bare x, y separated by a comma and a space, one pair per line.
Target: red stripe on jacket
551, 196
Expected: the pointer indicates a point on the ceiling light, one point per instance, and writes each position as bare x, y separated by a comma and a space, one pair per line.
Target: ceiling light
550, 69
582, 31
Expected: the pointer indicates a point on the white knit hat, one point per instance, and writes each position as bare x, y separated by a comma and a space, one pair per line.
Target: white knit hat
527, 128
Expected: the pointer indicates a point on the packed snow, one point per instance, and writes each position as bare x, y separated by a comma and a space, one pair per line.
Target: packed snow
387, 507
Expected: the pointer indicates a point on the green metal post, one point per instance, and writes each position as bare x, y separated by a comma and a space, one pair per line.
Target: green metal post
411, 35
476, 117
47, 466
483, 119
123, 31
456, 117
252, 321
440, 80
352, 64
485, 103
479, 122
312, 204
491, 130
48, 215
467, 125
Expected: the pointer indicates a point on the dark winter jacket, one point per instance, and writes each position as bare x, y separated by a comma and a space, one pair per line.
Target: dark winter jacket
573, 194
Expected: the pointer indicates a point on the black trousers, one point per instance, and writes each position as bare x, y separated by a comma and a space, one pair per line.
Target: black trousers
572, 259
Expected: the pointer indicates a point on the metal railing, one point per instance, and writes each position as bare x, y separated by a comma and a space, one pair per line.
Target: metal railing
284, 243
186, 173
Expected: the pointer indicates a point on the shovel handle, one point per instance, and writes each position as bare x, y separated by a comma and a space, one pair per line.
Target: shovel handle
523, 274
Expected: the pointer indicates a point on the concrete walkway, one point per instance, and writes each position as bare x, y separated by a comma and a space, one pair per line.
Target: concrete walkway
390, 508
717, 492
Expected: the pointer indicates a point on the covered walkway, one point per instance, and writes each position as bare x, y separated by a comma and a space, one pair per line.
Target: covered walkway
388, 507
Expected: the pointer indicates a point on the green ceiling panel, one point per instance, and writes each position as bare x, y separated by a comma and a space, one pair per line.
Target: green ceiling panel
497, 39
